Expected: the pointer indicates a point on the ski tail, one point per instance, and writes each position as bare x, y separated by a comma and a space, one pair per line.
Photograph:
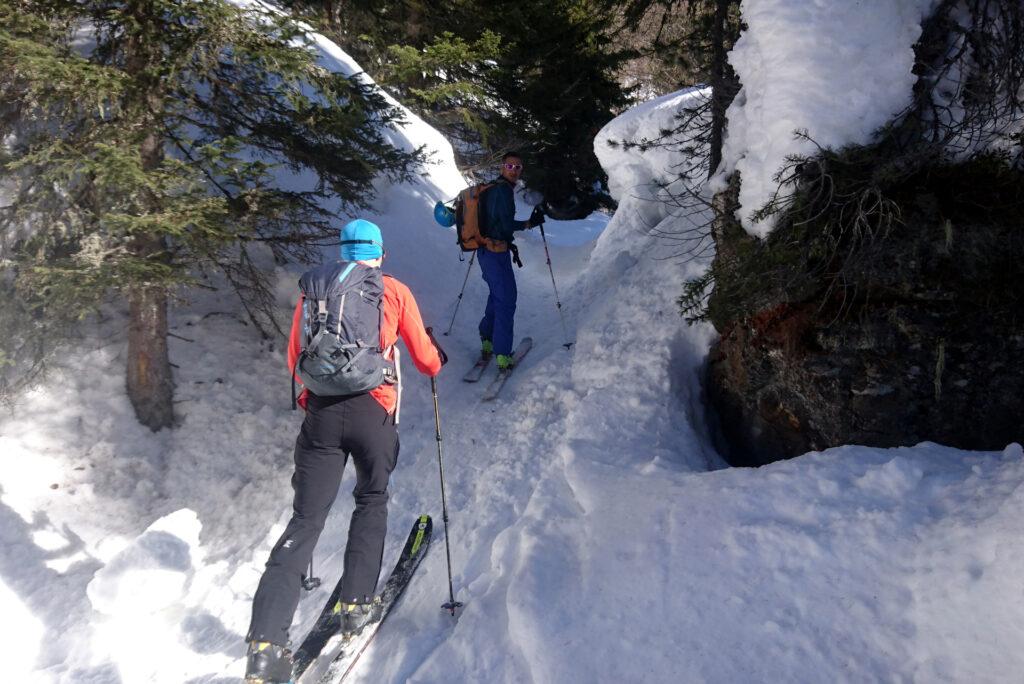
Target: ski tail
474, 373
499, 381
324, 655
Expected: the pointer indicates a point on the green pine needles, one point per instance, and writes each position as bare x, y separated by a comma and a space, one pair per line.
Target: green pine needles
142, 144
536, 76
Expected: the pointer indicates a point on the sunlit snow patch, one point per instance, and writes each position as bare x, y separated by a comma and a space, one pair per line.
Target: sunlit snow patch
23, 642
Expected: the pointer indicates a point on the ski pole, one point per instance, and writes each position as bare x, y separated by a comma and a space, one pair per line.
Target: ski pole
459, 300
310, 581
565, 331
452, 604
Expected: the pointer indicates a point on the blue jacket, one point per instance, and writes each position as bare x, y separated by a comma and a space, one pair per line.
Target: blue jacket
499, 207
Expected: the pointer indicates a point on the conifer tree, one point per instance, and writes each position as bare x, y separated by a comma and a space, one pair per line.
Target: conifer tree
689, 41
537, 76
558, 78
139, 146
449, 81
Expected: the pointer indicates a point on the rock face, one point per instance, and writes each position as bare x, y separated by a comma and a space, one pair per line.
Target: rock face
912, 336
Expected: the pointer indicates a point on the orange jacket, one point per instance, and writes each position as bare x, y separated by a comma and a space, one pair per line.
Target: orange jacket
401, 316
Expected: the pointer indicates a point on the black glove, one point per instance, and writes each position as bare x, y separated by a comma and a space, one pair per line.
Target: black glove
537, 217
515, 254
440, 352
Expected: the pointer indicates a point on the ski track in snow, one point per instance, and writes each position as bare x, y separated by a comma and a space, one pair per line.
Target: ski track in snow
596, 536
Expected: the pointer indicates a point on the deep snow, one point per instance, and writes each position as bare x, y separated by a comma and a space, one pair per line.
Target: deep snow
833, 69
596, 535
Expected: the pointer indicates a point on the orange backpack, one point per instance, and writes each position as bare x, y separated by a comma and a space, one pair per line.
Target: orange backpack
470, 219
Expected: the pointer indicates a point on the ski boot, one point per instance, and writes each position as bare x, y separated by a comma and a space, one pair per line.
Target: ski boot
356, 616
506, 362
268, 663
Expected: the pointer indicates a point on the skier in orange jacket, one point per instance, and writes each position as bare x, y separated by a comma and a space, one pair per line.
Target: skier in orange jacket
364, 426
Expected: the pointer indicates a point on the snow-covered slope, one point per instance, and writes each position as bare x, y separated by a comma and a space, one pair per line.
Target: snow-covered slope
595, 534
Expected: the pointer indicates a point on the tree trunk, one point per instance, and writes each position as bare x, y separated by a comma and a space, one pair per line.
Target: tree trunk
724, 84
149, 381
148, 376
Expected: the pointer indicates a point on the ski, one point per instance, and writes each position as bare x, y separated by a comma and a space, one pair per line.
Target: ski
324, 655
474, 373
517, 356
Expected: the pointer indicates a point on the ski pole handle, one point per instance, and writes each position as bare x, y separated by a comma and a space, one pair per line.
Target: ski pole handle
440, 351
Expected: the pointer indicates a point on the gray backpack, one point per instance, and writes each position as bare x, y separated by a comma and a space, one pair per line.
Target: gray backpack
342, 317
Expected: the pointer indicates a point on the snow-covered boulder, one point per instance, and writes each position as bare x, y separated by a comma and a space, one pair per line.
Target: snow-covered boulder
153, 571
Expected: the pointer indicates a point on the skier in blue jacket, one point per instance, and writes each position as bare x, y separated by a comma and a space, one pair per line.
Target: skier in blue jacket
499, 224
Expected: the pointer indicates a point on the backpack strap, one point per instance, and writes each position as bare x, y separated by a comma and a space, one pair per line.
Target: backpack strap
341, 308
321, 311
348, 269
341, 312
380, 319
311, 317
515, 254
398, 382
306, 335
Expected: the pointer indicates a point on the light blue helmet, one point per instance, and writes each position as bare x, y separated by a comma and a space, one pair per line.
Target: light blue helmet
444, 215
361, 241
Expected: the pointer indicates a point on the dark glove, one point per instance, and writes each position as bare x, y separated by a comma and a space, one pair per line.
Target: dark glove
537, 217
515, 254
440, 352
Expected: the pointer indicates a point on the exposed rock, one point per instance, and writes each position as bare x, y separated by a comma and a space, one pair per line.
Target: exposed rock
914, 336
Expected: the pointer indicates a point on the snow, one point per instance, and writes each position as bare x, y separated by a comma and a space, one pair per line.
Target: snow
596, 535
151, 573
835, 69
26, 639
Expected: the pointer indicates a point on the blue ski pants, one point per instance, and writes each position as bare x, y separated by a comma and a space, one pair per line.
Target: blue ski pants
497, 323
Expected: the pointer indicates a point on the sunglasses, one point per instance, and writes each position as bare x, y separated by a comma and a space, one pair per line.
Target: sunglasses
513, 167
